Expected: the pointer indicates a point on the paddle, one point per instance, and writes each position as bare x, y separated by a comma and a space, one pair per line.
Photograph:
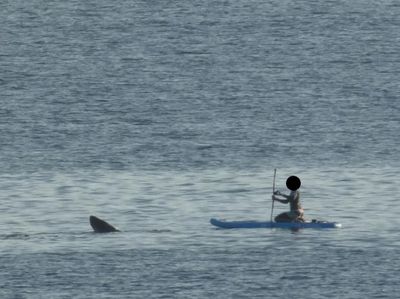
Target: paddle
273, 193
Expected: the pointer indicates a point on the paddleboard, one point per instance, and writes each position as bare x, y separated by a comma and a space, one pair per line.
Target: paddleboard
269, 224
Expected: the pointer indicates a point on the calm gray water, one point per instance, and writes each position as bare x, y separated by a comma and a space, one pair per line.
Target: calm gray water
158, 115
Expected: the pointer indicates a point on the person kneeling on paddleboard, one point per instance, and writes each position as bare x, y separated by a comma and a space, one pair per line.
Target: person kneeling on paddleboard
296, 212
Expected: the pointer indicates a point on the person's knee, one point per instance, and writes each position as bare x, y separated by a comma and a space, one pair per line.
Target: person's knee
282, 218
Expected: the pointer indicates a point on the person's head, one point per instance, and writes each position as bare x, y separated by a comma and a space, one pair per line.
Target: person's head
293, 183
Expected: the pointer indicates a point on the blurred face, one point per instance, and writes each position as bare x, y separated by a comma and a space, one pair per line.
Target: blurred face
293, 183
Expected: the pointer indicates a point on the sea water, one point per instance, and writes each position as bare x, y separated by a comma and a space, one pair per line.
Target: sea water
158, 115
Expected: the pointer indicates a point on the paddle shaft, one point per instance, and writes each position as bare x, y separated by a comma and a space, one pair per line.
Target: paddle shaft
273, 192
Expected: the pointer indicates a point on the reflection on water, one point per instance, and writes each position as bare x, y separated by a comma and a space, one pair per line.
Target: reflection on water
179, 204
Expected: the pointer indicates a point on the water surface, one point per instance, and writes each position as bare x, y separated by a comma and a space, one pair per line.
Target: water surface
159, 116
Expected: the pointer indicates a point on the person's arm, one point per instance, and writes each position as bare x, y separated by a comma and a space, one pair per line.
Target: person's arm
279, 199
